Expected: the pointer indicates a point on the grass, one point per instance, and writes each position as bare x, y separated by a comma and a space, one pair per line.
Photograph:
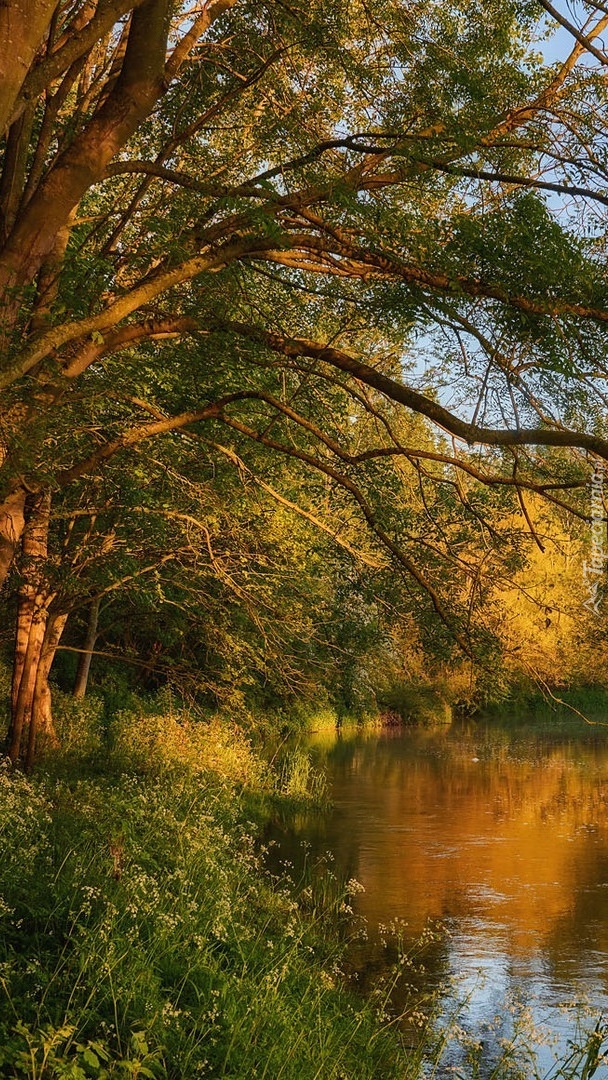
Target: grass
141, 937
462, 1055
299, 780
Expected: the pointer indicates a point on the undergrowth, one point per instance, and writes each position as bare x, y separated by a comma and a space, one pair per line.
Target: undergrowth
141, 936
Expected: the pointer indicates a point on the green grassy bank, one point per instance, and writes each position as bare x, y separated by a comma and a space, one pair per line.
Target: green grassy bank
141, 937
583, 710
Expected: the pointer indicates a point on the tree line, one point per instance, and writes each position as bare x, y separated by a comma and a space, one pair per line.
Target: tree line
303, 316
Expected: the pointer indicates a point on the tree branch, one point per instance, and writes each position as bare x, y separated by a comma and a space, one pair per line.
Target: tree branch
583, 39
76, 45
469, 432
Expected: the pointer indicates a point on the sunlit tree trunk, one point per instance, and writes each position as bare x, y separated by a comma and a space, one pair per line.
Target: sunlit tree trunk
41, 719
136, 90
22, 30
32, 617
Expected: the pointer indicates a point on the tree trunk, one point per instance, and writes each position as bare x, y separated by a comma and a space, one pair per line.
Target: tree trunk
24, 679
84, 662
32, 617
12, 522
41, 719
133, 96
23, 26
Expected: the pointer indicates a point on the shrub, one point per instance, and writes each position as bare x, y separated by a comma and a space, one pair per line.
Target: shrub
150, 742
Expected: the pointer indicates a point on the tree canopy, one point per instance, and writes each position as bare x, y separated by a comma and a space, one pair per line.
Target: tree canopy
271, 263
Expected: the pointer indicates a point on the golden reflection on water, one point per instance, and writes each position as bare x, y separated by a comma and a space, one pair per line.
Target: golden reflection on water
500, 836
478, 823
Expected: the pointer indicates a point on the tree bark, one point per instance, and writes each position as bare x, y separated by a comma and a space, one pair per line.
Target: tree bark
23, 26
41, 719
24, 684
13, 170
32, 616
139, 85
12, 523
84, 663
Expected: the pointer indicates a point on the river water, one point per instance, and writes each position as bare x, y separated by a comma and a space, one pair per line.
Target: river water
493, 842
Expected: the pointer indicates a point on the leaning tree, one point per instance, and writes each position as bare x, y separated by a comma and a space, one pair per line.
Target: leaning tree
249, 222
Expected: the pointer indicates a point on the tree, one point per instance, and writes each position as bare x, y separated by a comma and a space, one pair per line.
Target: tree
225, 216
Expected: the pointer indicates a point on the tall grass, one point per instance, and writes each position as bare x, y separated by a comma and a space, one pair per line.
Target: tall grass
141, 937
299, 779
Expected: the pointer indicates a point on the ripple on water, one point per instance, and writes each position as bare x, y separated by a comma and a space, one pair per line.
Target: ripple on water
508, 854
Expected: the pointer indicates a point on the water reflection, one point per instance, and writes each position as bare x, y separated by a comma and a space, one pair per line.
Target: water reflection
498, 835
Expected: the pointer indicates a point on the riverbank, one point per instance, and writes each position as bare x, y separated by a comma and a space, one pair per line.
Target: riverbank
141, 936
557, 709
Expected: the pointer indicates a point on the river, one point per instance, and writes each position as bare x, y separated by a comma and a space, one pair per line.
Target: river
491, 840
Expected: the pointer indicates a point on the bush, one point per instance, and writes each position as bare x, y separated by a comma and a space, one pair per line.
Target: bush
151, 742
418, 704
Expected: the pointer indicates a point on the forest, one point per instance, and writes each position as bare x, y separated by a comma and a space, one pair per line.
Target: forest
304, 338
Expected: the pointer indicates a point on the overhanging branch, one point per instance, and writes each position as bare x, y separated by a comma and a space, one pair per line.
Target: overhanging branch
470, 433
